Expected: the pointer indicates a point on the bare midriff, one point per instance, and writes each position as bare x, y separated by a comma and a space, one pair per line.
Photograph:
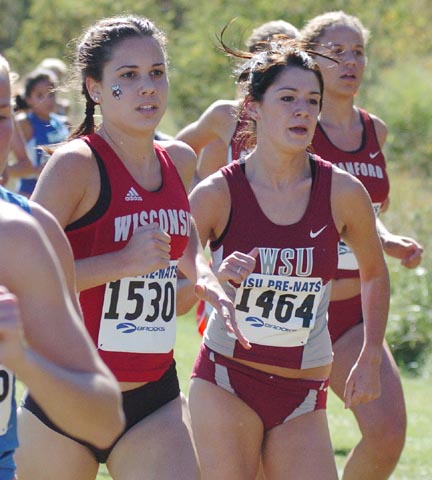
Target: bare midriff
316, 373
345, 288
125, 386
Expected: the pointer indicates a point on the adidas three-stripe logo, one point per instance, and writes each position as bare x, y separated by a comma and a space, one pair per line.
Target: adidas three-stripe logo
133, 196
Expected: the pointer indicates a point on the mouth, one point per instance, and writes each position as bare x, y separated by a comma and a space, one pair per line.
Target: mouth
146, 108
299, 130
348, 76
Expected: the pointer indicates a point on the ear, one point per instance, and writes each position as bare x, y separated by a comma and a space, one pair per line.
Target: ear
93, 88
252, 108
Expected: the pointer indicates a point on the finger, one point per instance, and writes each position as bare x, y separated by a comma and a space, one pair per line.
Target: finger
254, 252
348, 394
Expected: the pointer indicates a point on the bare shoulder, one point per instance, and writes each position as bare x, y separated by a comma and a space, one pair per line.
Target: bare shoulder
349, 198
183, 157
72, 175
74, 155
213, 190
344, 183
223, 108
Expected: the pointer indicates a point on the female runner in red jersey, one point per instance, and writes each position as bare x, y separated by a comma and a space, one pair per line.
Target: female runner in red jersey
121, 197
274, 238
353, 139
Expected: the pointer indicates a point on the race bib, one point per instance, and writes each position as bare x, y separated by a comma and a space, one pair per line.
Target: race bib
138, 313
6, 397
346, 257
277, 311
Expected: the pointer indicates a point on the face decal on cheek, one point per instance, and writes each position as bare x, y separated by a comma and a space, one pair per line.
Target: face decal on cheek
116, 91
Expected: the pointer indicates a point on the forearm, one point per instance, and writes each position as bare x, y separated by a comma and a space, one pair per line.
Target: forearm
23, 169
98, 270
375, 305
85, 404
195, 267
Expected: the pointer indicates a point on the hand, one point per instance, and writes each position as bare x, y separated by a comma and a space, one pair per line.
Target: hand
148, 250
363, 383
214, 294
405, 248
237, 266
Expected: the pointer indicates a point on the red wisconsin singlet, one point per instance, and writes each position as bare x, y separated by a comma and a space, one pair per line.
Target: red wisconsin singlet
132, 320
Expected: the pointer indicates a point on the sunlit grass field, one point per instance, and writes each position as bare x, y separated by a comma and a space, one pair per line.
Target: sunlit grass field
416, 461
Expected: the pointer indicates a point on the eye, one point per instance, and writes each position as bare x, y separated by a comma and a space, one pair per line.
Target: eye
313, 101
358, 53
129, 74
287, 98
157, 72
338, 50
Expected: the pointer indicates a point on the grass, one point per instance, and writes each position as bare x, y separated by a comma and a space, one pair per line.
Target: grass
415, 464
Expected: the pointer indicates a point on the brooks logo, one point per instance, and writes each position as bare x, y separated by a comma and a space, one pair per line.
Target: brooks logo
126, 327
255, 321
133, 196
315, 234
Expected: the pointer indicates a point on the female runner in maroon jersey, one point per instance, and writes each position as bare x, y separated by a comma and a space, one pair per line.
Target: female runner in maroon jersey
121, 198
274, 237
353, 139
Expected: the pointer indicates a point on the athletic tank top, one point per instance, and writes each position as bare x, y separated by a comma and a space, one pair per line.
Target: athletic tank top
367, 163
281, 307
132, 320
8, 419
45, 132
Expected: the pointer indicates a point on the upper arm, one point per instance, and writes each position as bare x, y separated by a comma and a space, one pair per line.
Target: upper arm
184, 159
31, 271
354, 217
24, 127
212, 157
210, 221
216, 122
18, 144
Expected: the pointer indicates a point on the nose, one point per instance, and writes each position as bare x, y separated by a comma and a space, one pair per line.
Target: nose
302, 109
147, 87
348, 57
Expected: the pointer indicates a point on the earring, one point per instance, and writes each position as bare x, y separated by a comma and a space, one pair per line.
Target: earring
116, 91
95, 99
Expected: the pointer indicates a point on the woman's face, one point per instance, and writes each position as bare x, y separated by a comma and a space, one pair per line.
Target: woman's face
42, 98
289, 109
6, 118
134, 90
347, 45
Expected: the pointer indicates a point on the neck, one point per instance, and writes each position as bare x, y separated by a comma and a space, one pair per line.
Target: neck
266, 167
338, 110
129, 148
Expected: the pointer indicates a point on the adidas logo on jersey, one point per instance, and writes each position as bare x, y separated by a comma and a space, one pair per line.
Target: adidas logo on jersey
133, 196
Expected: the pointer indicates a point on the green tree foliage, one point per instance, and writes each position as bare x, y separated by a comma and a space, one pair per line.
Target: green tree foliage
12, 14
199, 72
